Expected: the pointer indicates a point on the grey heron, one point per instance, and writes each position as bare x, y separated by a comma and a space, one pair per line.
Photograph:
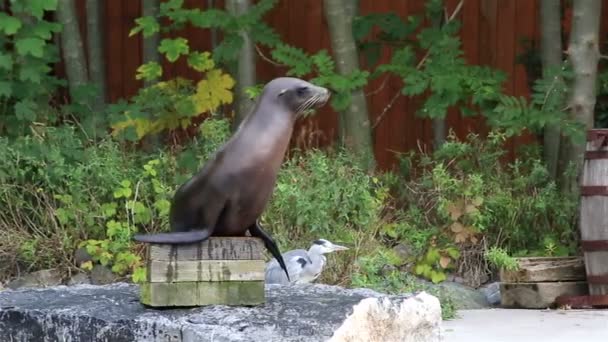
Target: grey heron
304, 266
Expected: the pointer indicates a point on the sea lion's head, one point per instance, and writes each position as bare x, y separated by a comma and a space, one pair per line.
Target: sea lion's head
296, 95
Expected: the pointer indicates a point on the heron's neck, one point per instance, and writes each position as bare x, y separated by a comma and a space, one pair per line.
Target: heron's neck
315, 255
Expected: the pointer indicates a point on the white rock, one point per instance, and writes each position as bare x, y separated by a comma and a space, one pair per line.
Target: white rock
416, 319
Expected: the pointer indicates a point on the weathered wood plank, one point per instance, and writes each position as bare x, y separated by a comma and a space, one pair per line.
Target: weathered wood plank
594, 219
546, 269
202, 293
214, 248
205, 270
538, 295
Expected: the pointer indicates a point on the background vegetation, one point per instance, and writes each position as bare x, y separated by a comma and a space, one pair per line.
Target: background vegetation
84, 173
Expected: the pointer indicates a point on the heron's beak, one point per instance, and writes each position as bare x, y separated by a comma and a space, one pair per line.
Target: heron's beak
338, 247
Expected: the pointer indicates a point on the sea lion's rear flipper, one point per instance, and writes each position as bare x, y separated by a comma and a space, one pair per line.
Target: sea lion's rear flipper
175, 237
257, 231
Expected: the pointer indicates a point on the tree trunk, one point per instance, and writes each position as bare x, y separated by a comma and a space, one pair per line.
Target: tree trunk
95, 38
150, 44
551, 56
439, 124
355, 128
584, 55
71, 43
245, 65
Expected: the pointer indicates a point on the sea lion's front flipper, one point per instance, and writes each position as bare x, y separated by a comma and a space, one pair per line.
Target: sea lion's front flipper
175, 237
257, 231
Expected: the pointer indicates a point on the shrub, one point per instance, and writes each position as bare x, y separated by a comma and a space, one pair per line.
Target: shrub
462, 200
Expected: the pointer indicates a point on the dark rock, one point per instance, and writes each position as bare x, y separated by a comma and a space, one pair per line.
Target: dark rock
81, 256
404, 251
102, 275
79, 278
310, 312
464, 297
43, 278
492, 292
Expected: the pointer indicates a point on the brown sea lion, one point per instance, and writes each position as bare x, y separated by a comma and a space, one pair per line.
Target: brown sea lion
228, 195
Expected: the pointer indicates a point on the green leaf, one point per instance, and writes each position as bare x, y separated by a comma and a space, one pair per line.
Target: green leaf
437, 276
25, 110
201, 61
6, 61
171, 5
149, 71
45, 29
10, 25
31, 46
33, 71
37, 7
125, 183
173, 48
6, 89
148, 25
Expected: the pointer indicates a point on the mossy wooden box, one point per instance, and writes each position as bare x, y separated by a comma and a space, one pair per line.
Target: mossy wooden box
220, 270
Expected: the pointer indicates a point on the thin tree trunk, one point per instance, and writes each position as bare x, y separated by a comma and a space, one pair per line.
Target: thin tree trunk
355, 128
551, 56
95, 38
245, 65
584, 55
71, 43
439, 124
150, 44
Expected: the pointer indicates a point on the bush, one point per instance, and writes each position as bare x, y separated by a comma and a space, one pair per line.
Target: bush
462, 200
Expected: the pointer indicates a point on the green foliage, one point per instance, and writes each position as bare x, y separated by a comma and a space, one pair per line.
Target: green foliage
465, 200
26, 58
501, 259
59, 189
319, 192
170, 105
143, 201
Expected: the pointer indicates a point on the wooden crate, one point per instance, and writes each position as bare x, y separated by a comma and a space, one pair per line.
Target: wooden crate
220, 270
539, 281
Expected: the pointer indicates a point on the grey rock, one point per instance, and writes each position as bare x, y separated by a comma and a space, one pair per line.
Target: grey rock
308, 312
81, 256
464, 297
404, 251
79, 278
102, 275
42, 278
492, 292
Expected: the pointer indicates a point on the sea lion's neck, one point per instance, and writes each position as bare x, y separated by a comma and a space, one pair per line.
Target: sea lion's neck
267, 131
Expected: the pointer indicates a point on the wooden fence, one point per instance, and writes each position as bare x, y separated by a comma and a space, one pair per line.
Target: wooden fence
492, 34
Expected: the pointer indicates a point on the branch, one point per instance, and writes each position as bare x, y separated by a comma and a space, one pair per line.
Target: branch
418, 66
267, 59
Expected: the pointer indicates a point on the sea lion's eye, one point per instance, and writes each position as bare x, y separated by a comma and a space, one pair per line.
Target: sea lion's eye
302, 91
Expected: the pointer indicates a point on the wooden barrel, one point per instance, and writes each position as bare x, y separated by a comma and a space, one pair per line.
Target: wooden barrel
594, 211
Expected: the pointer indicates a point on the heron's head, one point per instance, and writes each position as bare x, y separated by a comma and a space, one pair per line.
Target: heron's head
324, 246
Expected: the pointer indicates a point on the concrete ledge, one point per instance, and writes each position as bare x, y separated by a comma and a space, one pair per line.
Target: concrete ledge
291, 313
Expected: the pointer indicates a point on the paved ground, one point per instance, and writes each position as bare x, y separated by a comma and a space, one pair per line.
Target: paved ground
504, 325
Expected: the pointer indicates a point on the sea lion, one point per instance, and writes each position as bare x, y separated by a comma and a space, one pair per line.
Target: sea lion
228, 195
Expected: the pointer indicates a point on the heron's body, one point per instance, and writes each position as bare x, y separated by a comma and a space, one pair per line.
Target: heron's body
304, 266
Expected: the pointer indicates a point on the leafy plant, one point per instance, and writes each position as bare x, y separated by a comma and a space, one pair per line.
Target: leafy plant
116, 249
26, 58
466, 201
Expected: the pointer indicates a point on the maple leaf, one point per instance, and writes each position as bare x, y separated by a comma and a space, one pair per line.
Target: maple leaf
455, 209
201, 61
213, 91
149, 71
10, 25
173, 48
31, 46
457, 227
